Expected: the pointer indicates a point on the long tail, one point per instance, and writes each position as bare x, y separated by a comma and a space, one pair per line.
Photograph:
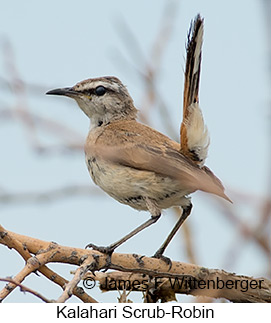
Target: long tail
194, 133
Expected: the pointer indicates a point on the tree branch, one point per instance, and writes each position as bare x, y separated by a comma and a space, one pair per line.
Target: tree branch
194, 280
10, 241
197, 281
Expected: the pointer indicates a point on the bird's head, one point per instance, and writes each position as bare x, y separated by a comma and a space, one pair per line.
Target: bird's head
102, 99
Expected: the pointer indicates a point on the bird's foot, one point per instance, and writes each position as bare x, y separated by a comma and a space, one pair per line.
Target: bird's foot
159, 255
139, 259
105, 250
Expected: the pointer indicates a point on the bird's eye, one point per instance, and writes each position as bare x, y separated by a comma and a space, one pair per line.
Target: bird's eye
100, 90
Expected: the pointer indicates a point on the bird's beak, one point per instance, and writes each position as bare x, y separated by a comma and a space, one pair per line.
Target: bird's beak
66, 91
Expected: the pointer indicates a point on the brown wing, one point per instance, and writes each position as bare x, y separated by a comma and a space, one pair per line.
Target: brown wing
135, 145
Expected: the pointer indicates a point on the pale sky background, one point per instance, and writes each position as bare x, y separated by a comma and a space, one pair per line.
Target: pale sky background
58, 43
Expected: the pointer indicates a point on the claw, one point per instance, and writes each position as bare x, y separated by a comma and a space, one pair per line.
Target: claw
139, 259
167, 260
105, 250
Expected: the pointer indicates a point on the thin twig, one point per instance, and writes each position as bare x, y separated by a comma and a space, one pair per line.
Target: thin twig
49, 195
23, 288
88, 263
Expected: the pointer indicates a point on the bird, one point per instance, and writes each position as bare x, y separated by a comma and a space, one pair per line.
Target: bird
134, 163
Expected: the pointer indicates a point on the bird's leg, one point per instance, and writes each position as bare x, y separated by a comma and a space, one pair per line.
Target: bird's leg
155, 215
113, 246
160, 251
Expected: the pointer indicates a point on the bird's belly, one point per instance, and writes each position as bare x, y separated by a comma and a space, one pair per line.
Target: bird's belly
131, 186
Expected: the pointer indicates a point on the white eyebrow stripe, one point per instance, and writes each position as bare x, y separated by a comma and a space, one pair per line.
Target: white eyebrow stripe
93, 84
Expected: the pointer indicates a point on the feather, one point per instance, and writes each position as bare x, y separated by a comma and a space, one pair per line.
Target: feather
141, 147
194, 133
